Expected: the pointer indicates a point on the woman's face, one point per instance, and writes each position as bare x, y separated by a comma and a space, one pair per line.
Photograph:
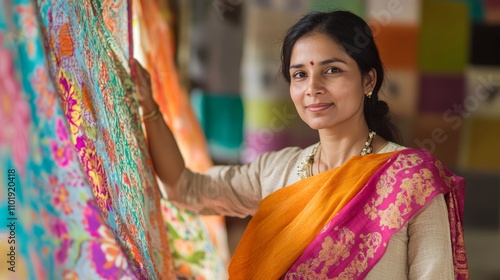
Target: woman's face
326, 85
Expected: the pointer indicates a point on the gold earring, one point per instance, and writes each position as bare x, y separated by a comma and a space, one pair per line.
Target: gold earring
369, 95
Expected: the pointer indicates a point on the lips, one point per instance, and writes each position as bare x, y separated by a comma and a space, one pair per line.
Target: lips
318, 107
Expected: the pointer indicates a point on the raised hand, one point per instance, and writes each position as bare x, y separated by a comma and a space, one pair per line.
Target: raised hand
143, 87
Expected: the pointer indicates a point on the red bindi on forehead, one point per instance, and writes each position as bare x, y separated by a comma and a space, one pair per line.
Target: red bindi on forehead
311, 62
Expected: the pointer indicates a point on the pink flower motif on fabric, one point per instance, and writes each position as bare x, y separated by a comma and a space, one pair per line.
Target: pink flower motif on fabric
60, 196
14, 112
96, 173
62, 149
106, 255
45, 100
60, 230
71, 108
92, 219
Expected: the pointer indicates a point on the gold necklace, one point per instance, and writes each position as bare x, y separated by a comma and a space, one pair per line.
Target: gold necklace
304, 169
368, 144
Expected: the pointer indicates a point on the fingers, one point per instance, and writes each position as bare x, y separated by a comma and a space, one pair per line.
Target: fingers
142, 81
140, 71
138, 66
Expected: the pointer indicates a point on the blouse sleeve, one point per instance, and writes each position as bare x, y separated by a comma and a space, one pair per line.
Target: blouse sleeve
230, 190
429, 243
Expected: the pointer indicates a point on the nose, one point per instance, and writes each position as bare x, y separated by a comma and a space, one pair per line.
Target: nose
315, 86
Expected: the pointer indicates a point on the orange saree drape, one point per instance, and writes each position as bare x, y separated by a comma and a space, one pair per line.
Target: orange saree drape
291, 216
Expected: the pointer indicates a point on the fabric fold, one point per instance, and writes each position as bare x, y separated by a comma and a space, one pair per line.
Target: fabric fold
337, 224
289, 219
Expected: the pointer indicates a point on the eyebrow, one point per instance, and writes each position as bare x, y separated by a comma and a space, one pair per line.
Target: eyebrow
331, 60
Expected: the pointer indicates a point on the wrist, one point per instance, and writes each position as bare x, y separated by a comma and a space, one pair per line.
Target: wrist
154, 114
149, 107
150, 111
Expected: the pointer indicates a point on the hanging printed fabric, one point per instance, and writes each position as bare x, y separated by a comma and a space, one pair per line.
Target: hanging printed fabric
56, 228
88, 50
154, 47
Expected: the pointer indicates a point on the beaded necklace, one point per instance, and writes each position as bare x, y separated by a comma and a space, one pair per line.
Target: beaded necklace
304, 169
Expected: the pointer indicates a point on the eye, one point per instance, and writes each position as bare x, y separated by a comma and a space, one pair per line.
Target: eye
332, 70
299, 74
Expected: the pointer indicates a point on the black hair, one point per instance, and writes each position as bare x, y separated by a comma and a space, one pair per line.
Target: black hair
354, 35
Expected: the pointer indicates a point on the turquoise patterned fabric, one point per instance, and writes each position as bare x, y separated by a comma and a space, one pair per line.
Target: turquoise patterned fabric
97, 94
59, 230
87, 205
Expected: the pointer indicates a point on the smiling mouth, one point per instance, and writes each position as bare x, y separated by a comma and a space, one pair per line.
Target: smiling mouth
318, 107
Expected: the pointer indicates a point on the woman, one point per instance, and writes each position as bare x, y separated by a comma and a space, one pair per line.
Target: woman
355, 205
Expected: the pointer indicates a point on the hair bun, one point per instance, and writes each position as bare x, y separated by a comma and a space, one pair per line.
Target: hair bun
381, 109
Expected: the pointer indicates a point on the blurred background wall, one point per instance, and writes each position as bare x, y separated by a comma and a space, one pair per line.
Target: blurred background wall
443, 88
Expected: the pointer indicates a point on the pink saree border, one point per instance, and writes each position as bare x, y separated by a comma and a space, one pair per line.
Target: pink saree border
350, 245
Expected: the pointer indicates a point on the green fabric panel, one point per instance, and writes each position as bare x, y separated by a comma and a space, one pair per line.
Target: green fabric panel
354, 6
270, 114
221, 117
444, 37
482, 145
476, 11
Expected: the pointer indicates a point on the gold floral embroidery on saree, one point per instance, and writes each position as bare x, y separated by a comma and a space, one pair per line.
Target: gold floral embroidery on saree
331, 253
405, 187
367, 248
415, 189
335, 250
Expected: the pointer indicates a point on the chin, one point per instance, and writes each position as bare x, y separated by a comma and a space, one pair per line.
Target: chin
323, 124
317, 125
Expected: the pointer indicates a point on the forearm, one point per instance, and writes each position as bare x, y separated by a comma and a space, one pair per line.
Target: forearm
166, 156
167, 159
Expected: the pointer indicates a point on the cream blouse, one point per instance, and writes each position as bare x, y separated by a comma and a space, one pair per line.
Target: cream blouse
420, 250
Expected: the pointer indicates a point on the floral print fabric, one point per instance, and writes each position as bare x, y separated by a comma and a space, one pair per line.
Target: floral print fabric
90, 69
154, 46
60, 232
88, 205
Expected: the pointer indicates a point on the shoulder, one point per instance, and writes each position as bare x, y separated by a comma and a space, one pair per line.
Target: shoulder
390, 147
283, 157
417, 157
279, 168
